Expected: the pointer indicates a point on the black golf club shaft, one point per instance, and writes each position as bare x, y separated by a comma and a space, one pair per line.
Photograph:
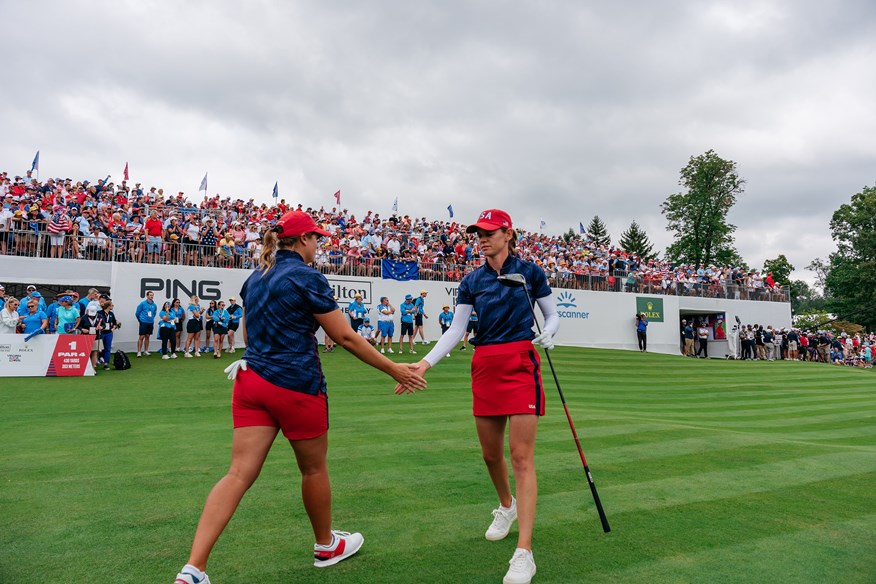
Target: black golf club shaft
602, 518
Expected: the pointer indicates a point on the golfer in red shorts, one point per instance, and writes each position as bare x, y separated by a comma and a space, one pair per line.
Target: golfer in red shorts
506, 376
279, 386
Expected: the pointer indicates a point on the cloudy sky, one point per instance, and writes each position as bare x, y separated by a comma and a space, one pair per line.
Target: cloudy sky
555, 110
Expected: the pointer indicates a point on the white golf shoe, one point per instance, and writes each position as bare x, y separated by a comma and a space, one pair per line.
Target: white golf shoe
343, 546
502, 520
521, 569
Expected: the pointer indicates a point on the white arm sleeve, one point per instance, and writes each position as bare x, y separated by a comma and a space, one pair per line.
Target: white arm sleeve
548, 307
453, 335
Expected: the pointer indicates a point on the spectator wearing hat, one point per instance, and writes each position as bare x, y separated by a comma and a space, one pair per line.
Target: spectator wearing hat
407, 310
356, 312
145, 314
32, 294
419, 315
235, 313
367, 332
172, 237
67, 316
642, 332
445, 318
91, 323
209, 238
687, 333
385, 323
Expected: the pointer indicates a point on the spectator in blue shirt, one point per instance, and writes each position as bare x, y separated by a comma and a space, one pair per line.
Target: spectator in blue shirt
445, 318
31, 293
642, 331
167, 331
407, 310
385, 324
145, 314
419, 315
52, 314
179, 316
356, 311
367, 332
67, 316
221, 318
35, 319
470, 329
236, 313
194, 326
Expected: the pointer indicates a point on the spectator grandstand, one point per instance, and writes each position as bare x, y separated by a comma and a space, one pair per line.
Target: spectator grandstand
104, 221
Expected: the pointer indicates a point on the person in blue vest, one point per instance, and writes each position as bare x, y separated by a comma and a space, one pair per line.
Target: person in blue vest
167, 331
356, 311
52, 314
507, 390
279, 386
221, 318
419, 315
471, 329
146, 313
407, 310
235, 312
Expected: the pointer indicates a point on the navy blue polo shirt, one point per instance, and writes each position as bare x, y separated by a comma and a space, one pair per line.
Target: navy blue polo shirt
280, 327
504, 313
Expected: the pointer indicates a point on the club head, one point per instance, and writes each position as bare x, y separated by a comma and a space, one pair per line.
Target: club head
738, 321
513, 280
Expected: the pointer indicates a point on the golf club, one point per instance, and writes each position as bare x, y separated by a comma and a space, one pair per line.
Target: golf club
519, 281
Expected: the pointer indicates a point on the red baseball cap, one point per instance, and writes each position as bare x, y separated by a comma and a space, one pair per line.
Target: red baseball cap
295, 223
490, 220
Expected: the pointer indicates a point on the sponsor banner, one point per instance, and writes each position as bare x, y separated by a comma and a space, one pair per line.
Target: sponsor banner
46, 356
652, 307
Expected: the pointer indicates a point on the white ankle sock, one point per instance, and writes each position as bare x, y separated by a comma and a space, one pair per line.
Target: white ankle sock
193, 570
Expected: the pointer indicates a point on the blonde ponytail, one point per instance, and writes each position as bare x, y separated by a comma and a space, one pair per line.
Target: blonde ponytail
272, 243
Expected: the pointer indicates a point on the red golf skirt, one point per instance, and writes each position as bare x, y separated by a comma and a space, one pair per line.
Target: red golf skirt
256, 401
506, 380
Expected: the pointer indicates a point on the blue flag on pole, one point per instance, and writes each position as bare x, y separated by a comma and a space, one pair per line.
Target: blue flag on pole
203, 186
276, 192
35, 166
450, 210
581, 228
400, 270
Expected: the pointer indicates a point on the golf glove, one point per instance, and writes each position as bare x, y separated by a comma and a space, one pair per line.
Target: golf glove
232, 369
544, 340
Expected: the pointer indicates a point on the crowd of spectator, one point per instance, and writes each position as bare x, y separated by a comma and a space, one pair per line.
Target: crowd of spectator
756, 342
62, 218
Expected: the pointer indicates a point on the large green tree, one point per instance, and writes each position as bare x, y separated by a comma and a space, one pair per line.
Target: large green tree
850, 284
805, 298
598, 232
636, 241
781, 269
698, 216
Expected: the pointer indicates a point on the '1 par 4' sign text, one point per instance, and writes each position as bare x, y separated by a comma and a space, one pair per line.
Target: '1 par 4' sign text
652, 307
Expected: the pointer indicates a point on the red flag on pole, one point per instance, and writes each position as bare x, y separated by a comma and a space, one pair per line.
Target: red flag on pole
337, 196
126, 171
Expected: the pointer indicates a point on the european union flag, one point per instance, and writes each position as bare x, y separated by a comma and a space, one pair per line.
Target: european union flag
400, 270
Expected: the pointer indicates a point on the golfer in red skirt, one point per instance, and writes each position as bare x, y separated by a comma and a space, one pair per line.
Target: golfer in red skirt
507, 389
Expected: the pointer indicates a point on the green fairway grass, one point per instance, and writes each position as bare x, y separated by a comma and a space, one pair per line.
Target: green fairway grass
709, 471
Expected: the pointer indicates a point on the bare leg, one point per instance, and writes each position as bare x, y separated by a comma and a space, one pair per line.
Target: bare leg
249, 448
521, 438
491, 434
316, 489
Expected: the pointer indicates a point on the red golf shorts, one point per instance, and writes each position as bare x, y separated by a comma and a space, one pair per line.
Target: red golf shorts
256, 401
506, 380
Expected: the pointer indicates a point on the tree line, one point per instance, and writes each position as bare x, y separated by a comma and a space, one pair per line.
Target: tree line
697, 218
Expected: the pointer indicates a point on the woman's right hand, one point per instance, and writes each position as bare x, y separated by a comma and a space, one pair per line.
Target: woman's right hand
410, 376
